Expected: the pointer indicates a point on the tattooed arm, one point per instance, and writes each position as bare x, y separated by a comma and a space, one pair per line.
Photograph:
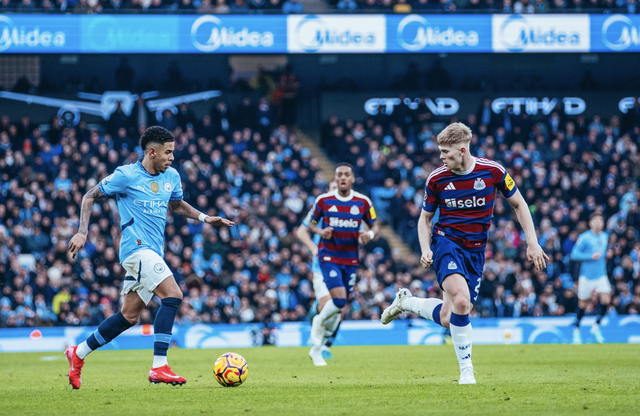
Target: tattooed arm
182, 208
78, 240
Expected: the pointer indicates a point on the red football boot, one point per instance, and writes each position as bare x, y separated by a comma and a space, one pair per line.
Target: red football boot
165, 375
75, 367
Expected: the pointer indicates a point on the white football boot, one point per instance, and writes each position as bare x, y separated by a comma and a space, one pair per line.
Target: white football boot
467, 375
595, 331
395, 308
316, 356
576, 336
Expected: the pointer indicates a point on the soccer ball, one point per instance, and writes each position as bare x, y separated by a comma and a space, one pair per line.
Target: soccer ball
230, 370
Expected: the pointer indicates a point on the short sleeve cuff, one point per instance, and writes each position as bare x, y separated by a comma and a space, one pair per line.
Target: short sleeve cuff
428, 207
102, 190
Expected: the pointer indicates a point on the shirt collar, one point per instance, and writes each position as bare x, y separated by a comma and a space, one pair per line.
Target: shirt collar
468, 171
139, 163
343, 199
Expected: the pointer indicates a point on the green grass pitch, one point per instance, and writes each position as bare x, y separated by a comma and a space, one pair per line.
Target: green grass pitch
402, 380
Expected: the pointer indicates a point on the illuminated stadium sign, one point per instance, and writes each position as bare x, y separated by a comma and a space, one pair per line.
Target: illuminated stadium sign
312, 34
104, 105
533, 105
549, 33
209, 33
416, 33
627, 104
438, 106
36, 34
262, 34
618, 33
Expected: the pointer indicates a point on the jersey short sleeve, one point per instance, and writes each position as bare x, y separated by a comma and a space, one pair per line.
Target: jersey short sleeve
430, 201
507, 185
306, 220
176, 193
370, 216
316, 213
116, 183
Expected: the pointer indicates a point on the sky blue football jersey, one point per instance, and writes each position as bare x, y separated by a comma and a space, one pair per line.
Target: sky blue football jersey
143, 200
588, 244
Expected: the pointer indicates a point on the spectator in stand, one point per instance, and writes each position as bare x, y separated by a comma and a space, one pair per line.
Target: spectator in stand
292, 7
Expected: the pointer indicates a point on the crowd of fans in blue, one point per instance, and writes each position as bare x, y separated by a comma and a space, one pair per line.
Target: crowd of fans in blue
237, 162
339, 6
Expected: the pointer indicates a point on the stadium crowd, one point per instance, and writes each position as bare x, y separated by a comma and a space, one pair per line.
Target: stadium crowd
484, 6
237, 162
340, 6
233, 162
566, 167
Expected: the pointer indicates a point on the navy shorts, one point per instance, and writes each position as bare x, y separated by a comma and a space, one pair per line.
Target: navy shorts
338, 275
450, 258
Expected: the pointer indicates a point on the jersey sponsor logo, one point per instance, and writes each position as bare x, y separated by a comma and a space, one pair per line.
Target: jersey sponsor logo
326, 258
333, 209
150, 204
340, 223
154, 187
354, 210
466, 202
509, 182
452, 265
168, 187
450, 187
158, 268
479, 184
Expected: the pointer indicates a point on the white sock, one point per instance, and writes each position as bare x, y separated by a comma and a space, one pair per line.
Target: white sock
159, 361
330, 326
83, 350
462, 337
421, 306
329, 310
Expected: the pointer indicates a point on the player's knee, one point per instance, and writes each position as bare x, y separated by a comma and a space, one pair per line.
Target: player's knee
461, 304
172, 302
131, 316
340, 303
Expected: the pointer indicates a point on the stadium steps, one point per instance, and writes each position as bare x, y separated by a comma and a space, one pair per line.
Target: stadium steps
316, 6
327, 168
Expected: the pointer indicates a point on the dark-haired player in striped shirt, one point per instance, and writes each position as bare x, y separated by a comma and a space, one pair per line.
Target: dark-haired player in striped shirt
342, 212
464, 189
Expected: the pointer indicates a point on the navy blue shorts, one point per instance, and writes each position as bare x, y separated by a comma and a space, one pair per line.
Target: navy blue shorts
338, 275
450, 258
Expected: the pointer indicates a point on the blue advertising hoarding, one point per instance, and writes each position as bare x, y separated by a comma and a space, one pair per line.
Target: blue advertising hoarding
615, 33
39, 34
232, 34
494, 331
259, 34
434, 33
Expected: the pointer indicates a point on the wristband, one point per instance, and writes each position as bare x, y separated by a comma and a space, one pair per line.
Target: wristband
201, 217
370, 234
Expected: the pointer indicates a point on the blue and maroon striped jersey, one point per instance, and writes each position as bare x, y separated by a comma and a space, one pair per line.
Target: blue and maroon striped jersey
345, 215
466, 201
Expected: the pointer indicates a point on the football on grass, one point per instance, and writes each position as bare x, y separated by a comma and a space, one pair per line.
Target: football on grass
230, 370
